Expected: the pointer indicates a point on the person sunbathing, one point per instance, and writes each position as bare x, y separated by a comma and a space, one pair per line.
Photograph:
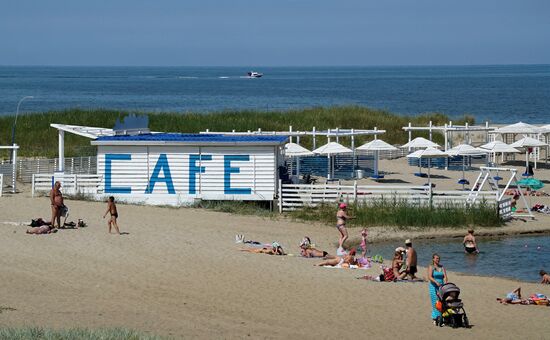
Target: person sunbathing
44, 229
307, 249
275, 249
340, 261
514, 298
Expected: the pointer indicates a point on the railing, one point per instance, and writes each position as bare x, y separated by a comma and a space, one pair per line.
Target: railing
27, 167
296, 196
71, 184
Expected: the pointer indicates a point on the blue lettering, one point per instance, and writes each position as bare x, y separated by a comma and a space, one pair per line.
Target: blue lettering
194, 170
109, 158
228, 170
162, 164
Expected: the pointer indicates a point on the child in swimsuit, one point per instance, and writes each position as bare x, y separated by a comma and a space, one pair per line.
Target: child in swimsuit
111, 209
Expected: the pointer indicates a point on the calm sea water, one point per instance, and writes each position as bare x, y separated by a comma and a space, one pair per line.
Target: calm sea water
520, 257
500, 94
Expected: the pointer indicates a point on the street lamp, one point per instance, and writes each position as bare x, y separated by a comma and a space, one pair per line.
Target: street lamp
15, 122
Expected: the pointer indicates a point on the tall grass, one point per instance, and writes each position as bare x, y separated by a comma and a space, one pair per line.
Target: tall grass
37, 138
402, 214
37, 333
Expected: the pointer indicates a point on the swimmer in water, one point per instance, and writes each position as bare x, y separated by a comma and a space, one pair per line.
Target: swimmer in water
470, 245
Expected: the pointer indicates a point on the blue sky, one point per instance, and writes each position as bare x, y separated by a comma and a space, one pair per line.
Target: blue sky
276, 33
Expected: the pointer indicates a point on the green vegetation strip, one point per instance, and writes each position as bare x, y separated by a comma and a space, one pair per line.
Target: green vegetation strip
38, 139
403, 215
37, 333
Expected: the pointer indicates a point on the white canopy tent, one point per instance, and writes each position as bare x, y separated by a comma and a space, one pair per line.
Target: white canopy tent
428, 153
376, 146
498, 147
520, 128
331, 149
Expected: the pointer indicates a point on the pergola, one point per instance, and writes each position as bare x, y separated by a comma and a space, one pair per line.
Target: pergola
449, 129
329, 134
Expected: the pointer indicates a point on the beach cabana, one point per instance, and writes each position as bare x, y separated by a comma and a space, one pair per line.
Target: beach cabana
526, 143
428, 153
331, 149
297, 151
520, 128
498, 147
465, 150
376, 145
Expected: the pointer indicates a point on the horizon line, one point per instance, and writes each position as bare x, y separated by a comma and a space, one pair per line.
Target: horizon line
273, 66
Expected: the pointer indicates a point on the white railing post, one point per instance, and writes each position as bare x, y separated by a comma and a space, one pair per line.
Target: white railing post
280, 196
355, 192
32, 186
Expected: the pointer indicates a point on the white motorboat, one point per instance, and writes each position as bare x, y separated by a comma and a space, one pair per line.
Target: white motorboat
253, 74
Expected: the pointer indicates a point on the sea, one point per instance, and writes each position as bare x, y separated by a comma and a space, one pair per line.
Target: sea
498, 94
518, 257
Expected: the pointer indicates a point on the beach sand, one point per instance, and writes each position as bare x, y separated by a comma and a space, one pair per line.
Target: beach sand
178, 273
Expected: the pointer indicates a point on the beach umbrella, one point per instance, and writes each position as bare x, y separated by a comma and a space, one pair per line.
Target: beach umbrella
499, 147
532, 183
296, 150
527, 142
331, 149
420, 142
428, 153
520, 127
465, 150
376, 146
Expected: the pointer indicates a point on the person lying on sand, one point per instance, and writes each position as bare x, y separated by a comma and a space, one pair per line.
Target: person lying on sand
545, 277
514, 298
340, 261
308, 250
44, 229
275, 249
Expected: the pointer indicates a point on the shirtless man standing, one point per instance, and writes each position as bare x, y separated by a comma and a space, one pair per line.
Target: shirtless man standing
411, 260
111, 209
470, 245
56, 200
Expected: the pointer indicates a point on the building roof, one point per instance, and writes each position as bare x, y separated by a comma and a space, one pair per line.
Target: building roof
189, 139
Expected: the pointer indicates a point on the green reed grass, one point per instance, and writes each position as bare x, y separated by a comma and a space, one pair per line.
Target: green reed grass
38, 139
402, 214
38, 333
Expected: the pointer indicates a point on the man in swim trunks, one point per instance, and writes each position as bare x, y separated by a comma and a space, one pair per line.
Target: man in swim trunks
111, 208
56, 201
411, 260
470, 245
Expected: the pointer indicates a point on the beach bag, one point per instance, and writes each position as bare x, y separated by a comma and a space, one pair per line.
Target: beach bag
439, 306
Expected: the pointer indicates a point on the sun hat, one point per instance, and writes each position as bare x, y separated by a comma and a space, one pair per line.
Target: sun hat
408, 241
400, 249
275, 245
343, 205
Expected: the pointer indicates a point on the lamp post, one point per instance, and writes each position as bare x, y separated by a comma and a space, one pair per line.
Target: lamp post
15, 122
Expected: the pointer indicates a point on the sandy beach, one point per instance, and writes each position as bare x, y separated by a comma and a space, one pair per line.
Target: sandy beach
178, 273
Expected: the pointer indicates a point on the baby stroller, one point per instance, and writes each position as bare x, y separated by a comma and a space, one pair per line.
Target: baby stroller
452, 308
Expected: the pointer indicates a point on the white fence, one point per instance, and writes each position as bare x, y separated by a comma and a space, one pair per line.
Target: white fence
71, 184
296, 196
1, 184
26, 167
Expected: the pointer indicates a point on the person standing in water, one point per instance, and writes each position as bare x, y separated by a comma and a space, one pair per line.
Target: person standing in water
411, 260
341, 217
111, 208
470, 245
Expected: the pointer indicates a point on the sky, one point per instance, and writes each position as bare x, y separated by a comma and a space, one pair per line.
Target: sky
274, 32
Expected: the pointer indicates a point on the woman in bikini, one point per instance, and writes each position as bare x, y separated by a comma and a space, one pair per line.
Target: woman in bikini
275, 249
341, 217
343, 261
397, 264
56, 201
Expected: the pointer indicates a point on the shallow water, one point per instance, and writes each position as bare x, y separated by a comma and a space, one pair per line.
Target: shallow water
502, 93
519, 257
